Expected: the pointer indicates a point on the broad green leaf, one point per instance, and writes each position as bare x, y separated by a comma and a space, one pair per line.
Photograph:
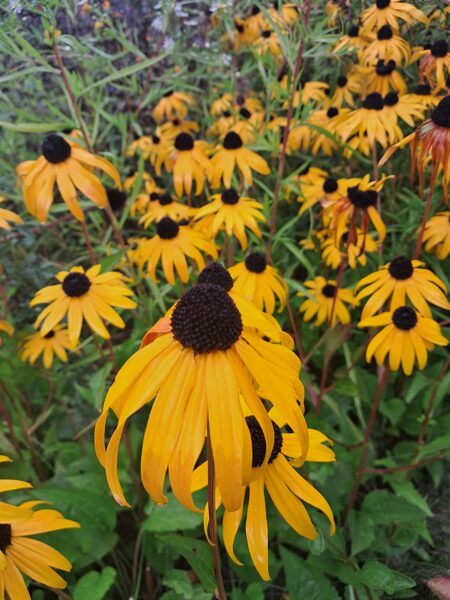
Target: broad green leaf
405, 489
386, 508
302, 577
34, 127
377, 576
171, 517
95, 585
361, 530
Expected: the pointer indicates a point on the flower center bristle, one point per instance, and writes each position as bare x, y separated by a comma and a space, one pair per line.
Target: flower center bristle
330, 185
155, 139
328, 290
441, 114
206, 319
229, 197
76, 284
385, 33
5, 537
266, 33
165, 199
401, 268
404, 318
256, 262
154, 196
176, 122
362, 198
239, 27
439, 49
373, 101
226, 114
259, 442
332, 112
341, 81
167, 228
385, 68
116, 198
232, 141
245, 114
55, 149
49, 335
382, 4
391, 99
353, 31
184, 142
217, 275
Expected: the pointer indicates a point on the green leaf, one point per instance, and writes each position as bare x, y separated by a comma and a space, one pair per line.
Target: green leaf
95, 585
361, 530
313, 584
386, 508
33, 127
377, 576
171, 517
177, 580
405, 489
198, 555
393, 409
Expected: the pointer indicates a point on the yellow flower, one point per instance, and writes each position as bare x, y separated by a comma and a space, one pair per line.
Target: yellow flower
141, 145
8, 485
158, 153
408, 107
221, 105
56, 341
434, 64
346, 86
233, 154
333, 10
70, 166
87, 296
189, 163
19, 553
286, 487
173, 105
320, 189
268, 43
355, 39
233, 213
437, 235
386, 44
325, 119
8, 215
325, 299
171, 129
195, 366
388, 12
406, 335
399, 279
369, 120
171, 245
164, 206
6, 327
382, 78
260, 283
355, 250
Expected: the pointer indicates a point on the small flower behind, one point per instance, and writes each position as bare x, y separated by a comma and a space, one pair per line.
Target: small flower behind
326, 302
54, 342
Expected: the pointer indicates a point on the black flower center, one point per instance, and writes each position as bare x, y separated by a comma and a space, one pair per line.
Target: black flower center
256, 262
226, 113
401, 268
176, 122
341, 81
382, 4
362, 198
76, 284
328, 290
167, 229
385, 68
217, 275
154, 196
184, 141
441, 114
439, 49
391, 99
385, 33
232, 141
255, 10
229, 197
165, 199
245, 114
239, 27
167, 94
266, 33
116, 198
206, 319
49, 335
332, 112
330, 185
373, 101
259, 442
404, 318
155, 139
353, 31
55, 149
5, 537
423, 90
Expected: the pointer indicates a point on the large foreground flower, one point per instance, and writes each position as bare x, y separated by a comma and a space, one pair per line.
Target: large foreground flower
20, 553
56, 341
197, 365
287, 489
81, 296
233, 154
399, 279
69, 166
406, 335
326, 302
259, 282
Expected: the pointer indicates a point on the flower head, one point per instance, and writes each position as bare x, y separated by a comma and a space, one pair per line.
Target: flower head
326, 302
56, 341
233, 154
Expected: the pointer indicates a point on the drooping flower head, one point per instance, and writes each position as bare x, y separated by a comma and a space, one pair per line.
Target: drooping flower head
189, 164
231, 155
54, 342
389, 12
173, 105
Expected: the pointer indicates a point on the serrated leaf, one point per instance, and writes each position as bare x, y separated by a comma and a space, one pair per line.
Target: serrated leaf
95, 585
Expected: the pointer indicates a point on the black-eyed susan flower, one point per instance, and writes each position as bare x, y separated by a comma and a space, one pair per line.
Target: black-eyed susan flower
55, 342
268, 43
399, 279
355, 250
346, 86
369, 120
406, 335
247, 124
196, 367
328, 120
158, 153
6, 327
232, 154
326, 302
386, 44
141, 145
284, 14
8, 216
389, 12
422, 94
382, 78
310, 92
69, 166
407, 107
163, 205
221, 105
320, 189
260, 283
333, 10
287, 489
20, 553
355, 39
233, 213
173, 105
83, 296
171, 245
436, 236
189, 163
170, 129
434, 65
